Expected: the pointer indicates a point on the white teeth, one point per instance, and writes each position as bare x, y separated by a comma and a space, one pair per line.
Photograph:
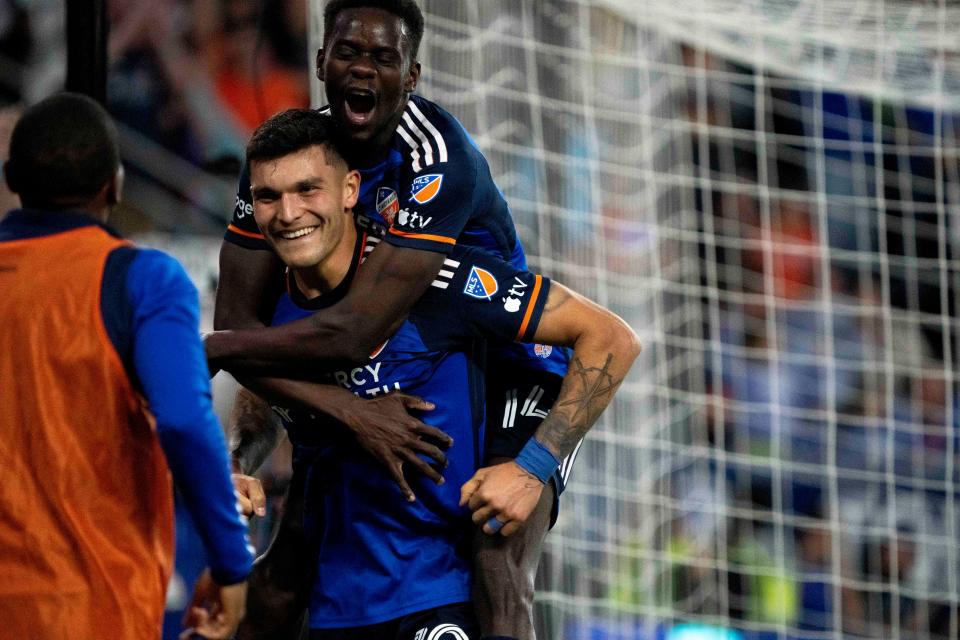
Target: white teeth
299, 233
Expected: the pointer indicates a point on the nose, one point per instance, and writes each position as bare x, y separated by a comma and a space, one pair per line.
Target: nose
289, 211
363, 67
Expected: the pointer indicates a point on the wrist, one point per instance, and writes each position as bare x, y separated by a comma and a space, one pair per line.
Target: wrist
337, 404
537, 460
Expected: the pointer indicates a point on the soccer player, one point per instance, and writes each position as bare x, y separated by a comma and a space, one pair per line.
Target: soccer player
425, 188
391, 569
103, 393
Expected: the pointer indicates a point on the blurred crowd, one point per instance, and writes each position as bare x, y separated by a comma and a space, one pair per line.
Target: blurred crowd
188, 82
831, 399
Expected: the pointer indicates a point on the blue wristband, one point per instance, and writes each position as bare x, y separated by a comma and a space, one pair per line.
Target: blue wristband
538, 460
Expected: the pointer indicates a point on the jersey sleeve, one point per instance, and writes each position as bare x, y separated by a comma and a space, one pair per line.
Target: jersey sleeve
435, 204
169, 363
243, 230
477, 295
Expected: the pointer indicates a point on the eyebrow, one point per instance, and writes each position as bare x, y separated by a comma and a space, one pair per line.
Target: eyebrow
263, 192
300, 185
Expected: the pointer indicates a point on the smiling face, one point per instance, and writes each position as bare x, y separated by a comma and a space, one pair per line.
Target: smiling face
368, 71
302, 203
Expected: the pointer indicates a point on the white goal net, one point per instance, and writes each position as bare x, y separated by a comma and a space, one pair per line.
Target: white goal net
769, 192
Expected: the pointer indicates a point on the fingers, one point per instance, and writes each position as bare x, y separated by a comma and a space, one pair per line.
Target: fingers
511, 528
250, 495
431, 451
438, 436
396, 471
423, 467
469, 488
246, 507
481, 515
258, 499
414, 402
493, 526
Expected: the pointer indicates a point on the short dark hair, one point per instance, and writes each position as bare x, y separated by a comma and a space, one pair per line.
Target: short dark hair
63, 150
291, 131
407, 10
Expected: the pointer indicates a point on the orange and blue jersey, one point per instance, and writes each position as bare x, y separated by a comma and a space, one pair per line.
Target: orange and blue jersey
103, 392
380, 556
433, 191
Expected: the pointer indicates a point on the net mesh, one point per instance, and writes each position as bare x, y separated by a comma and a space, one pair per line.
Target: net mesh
768, 193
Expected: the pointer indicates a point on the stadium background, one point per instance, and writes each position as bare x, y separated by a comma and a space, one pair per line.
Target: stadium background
767, 190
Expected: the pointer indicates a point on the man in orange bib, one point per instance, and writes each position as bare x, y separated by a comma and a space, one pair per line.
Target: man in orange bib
103, 393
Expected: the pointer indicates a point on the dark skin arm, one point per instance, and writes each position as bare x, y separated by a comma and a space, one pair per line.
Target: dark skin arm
383, 426
391, 281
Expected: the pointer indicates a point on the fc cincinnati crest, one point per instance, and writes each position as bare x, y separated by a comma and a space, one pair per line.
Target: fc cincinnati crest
481, 284
388, 204
425, 188
542, 350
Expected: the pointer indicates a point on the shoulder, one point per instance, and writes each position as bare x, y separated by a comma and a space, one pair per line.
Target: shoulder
433, 136
150, 274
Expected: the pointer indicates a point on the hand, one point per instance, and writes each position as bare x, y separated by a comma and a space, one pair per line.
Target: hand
506, 492
384, 427
215, 611
250, 495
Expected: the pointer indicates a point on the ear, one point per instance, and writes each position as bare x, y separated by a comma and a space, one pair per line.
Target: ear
321, 58
115, 187
413, 76
351, 189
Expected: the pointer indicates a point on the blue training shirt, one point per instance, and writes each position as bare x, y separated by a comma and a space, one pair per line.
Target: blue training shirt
433, 191
380, 556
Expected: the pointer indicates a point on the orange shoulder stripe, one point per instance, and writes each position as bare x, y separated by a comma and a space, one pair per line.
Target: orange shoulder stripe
237, 230
423, 236
530, 306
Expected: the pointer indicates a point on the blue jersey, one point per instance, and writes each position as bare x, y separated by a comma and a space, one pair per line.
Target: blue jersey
380, 556
433, 191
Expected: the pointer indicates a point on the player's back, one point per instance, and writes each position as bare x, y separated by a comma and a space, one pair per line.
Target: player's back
86, 530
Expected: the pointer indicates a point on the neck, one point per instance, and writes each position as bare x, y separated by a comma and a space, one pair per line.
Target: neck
330, 272
96, 208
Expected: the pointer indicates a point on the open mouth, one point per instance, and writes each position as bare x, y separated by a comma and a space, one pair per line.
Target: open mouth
299, 233
359, 105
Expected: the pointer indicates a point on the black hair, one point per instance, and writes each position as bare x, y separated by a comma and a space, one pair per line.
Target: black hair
407, 10
291, 131
63, 150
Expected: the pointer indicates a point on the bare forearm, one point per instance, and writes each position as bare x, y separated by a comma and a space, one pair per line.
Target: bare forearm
292, 349
390, 282
329, 400
602, 357
254, 432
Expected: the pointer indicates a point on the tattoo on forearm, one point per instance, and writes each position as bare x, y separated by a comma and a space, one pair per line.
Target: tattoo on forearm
586, 392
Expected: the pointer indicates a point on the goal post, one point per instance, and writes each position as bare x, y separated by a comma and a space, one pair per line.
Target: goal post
768, 191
